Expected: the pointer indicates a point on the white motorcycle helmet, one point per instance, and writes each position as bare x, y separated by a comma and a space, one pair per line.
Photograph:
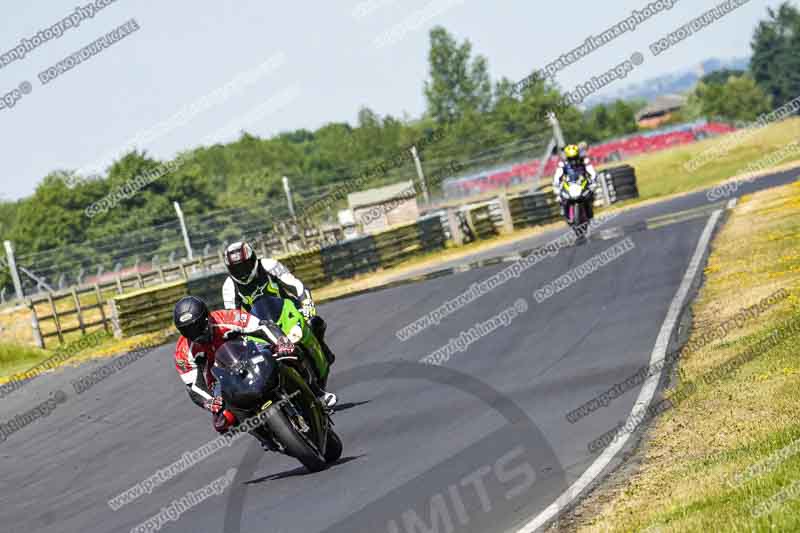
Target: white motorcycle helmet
241, 262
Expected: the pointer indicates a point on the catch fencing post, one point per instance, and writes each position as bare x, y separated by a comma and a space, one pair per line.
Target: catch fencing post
420, 174
559, 135
186, 240
557, 141
288, 192
12, 267
543, 163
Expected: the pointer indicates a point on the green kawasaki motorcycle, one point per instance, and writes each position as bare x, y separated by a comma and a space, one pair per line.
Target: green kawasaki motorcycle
280, 390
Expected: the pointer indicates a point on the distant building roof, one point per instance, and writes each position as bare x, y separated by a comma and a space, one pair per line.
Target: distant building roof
380, 195
661, 105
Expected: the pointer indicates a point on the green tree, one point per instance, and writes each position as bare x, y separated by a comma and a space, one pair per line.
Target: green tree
775, 63
738, 99
458, 83
720, 77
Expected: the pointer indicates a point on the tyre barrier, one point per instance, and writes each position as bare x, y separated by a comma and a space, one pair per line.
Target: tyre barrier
481, 222
150, 309
621, 181
533, 209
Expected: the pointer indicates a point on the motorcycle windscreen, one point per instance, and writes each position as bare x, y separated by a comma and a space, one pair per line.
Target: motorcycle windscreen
247, 373
572, 175
267, 307
231, 353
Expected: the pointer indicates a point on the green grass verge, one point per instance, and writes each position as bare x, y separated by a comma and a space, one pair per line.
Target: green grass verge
19, 357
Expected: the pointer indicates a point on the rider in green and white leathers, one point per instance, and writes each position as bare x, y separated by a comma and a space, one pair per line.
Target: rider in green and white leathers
250, 278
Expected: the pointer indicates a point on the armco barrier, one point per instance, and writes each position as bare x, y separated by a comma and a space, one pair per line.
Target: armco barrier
150, 309
431, 233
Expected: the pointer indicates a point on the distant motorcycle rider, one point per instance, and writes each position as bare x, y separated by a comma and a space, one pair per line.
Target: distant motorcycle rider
249, 278
202, 334
574, 158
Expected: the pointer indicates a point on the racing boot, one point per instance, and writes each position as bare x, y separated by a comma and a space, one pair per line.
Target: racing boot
318, 327
328, 399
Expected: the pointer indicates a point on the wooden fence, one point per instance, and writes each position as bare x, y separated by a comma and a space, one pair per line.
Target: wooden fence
64, 314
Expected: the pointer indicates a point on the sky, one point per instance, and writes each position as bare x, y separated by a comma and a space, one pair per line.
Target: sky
195, 72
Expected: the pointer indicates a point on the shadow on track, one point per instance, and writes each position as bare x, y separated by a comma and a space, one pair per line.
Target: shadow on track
300, 471
345, 406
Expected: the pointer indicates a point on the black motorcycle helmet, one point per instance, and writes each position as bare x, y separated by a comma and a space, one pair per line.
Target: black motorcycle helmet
241, 261
191, 319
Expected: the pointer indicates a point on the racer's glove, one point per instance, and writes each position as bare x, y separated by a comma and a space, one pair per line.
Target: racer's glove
215, 405
308, 308
283, 346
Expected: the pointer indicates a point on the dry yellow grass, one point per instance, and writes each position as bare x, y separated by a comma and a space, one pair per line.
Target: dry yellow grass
663, 173
695, 448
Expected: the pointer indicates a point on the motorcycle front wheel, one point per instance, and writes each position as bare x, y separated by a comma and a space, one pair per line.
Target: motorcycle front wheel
295, 443
333, 451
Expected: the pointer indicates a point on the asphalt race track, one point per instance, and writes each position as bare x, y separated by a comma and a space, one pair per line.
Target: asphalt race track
478, 444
